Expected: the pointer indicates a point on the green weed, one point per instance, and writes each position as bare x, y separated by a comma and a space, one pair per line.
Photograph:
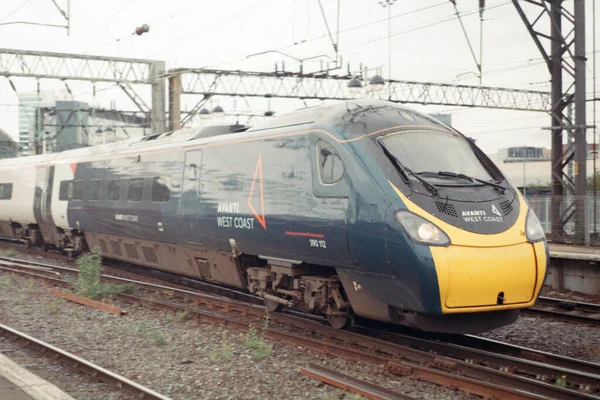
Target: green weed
158, 338
89, 284
8, 253
225, 349
256, 342
182, 316
339, 394
6, 283
31, 285
153, 334
53, 306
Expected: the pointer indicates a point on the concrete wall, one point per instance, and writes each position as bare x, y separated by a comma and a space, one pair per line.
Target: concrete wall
574, 274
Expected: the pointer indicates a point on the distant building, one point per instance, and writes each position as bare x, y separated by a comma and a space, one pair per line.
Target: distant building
29, 122
520, 153
72, 117
8, 147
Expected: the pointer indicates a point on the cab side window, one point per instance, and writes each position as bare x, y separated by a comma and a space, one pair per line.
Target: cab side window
331, 167
66, 190
161, 189
113, 190
5, 191
135, 190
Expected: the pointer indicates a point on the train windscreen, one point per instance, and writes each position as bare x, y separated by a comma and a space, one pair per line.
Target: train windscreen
429, 152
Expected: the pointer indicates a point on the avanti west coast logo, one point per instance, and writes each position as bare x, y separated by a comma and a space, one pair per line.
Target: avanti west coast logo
482, 215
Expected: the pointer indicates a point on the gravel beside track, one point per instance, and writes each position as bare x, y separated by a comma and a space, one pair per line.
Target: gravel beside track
181, 358
70, 382
562, 338
203, 361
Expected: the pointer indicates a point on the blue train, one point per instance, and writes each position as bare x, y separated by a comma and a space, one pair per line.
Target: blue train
358, 208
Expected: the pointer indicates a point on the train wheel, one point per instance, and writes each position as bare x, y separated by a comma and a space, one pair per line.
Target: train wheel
339, 321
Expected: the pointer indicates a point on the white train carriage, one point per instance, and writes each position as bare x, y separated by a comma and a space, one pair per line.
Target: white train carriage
30, 209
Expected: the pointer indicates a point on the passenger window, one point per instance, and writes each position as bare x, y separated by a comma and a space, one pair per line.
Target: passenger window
5, 191
135, 191
330, 163
66, 190
161, 189
94, 193
77, 190
113, 190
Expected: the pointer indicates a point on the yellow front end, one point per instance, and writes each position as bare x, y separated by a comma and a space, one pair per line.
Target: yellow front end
473, 279
480, 272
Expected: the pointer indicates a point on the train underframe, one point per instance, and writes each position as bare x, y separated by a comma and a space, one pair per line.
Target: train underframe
71, 242
308, 288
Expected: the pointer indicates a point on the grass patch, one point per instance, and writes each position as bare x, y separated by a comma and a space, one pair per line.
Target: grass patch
339, 394
255, 341
182, 316
157, 337
8, 253
89, 284
31, 285
225, 349
6, 283
53, 306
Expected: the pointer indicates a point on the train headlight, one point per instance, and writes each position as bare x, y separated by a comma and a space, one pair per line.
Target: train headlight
420, 230
533, 228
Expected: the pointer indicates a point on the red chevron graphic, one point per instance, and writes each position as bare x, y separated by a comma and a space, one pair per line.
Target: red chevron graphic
258, 173
73, 168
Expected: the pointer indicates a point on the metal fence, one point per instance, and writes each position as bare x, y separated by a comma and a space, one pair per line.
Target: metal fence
542, 207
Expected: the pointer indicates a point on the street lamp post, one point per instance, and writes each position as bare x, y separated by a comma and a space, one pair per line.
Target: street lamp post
389, 4
524, 178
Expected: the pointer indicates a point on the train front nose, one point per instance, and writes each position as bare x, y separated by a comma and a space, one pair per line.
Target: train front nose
475, 279
474, 272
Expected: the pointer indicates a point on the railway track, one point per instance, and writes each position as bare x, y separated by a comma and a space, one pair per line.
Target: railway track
476, 365
78, 364
566, 310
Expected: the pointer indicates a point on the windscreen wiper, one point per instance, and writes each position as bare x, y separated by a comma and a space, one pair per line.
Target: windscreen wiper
396, 163
472, 179
405, 171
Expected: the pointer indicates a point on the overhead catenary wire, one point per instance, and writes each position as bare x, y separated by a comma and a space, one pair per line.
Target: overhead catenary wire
342, 31
427, 25
10, 13
213, 26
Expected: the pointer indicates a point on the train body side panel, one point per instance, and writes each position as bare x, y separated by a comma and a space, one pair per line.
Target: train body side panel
62, 172
124, 213
261, 195
20, 206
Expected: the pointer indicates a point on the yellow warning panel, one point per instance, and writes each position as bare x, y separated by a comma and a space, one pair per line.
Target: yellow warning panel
477, 277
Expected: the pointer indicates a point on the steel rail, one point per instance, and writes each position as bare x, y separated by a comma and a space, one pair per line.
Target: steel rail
470, 341
533, 369
363, 348
79, 364
354, 385
474, 342
567, 310
496, 346
570, 304
472, 378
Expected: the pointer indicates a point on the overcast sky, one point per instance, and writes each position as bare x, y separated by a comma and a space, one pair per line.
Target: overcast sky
427, 45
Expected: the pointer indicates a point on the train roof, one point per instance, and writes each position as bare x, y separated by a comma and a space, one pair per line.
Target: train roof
345, 119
